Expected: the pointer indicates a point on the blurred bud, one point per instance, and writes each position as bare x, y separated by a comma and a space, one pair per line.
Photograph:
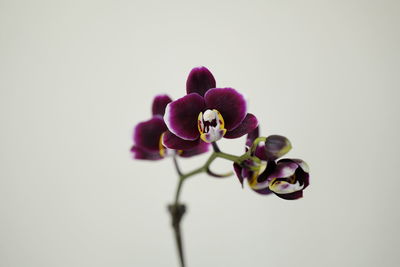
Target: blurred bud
276, 146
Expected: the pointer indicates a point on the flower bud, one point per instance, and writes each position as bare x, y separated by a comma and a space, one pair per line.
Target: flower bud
276, 146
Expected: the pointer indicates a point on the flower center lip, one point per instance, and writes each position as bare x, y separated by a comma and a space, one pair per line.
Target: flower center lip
209, 120
211, 125
285, 185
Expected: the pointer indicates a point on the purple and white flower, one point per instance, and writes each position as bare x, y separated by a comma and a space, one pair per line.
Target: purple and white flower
206, 113
148, 136
287, 178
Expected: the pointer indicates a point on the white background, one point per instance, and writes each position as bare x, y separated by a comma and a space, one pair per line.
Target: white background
76, 76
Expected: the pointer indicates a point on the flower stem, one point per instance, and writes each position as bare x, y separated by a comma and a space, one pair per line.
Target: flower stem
177, 168
215, 147
227, 156
177, 209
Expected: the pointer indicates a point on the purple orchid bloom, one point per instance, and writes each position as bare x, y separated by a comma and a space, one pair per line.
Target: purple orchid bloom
148, 136
206, 113
287, 178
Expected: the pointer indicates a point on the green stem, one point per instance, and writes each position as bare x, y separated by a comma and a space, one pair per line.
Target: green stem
178, 191
215, 147
228, 157
177, 168
177, 209
192, 173
256, 142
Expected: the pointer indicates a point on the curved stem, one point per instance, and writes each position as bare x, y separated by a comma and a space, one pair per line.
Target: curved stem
177, 209
192, 173
256, 142
177, 168
227, 156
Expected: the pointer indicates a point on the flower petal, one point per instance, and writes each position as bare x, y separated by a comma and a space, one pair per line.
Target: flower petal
201, 148
252, 136
303, 165
174, 142
302, 173
181, 116
276, 146
140, 153
264, 191
160, 102
200, 79
284, 169
229, 103
262, 181
238, 171
147, 134
260, 152
282, 186
248, 124
291, 196
260, 149
289, 184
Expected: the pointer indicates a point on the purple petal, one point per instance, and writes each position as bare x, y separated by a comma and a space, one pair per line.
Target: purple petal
260, 149
286, 186
174, 142
181, 116
264, 191
303, 165
301, 174
140, 153
306, 180
229, 103
262, 179
260, 152
276, 146
291, 196
160, 102
252, 136
147, 134
303, 178
199, 81
238, 171
269, 169
197, 150
248, 124
284, 169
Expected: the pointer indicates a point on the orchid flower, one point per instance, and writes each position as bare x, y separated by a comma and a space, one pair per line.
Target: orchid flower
148, 136
206, 113
287, 178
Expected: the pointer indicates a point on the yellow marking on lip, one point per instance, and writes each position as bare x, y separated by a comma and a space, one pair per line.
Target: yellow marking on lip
292, 179
200, 122
161, 147
272, 184
253, 180
211, 133
203, 137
